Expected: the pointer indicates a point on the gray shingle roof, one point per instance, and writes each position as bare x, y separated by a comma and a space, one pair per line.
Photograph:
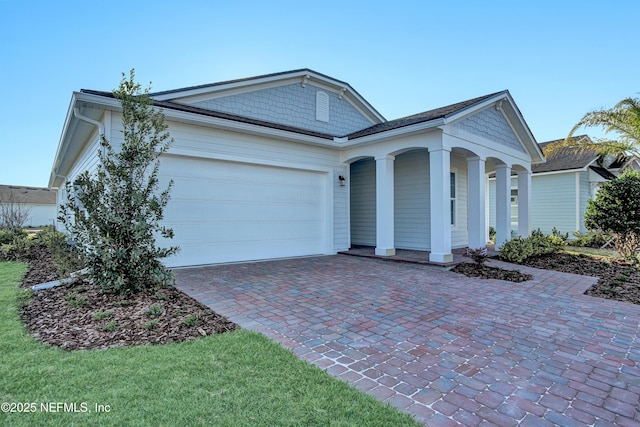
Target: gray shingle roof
30, 195
382, 127
565, 159
426, 116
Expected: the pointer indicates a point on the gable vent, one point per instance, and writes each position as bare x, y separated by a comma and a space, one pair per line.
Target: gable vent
322, 106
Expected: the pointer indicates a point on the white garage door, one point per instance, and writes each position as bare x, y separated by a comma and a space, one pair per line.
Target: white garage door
225, 211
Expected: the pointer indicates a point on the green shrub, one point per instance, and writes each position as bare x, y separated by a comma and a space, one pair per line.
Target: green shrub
191, 320
556, 233
6, 237
101, 315
64, 254
153, 311
616, 210
150, 324
14, 245
110, 327
76, 301
590, 239
516, 250
519, 249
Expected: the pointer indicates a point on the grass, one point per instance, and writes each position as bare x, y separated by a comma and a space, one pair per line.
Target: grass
234, 379
608, 253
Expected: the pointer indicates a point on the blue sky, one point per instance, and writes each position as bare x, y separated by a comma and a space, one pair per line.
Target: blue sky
559, 59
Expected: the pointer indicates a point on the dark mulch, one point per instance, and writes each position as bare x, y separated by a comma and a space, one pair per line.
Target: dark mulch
78, 316
619, 278
486, 272
41, 267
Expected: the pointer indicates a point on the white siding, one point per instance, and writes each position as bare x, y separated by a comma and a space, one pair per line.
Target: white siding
41, 215
553, 202
363, 202
585, 195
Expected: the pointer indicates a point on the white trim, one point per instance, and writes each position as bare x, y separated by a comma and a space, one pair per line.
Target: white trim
578, 201
454, 171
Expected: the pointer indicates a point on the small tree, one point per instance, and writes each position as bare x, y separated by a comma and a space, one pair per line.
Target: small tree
13, 211
616, 210
114, 214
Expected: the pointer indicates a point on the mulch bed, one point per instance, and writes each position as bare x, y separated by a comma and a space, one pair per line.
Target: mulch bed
619, 278
78, 316
486, 272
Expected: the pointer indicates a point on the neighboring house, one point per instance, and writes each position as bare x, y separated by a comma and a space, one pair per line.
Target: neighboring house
561, 188
298, 163
38, 204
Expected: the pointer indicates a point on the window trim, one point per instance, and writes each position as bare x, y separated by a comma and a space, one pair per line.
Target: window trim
453, 200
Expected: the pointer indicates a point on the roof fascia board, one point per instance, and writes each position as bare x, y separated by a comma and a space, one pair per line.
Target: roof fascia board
395, 133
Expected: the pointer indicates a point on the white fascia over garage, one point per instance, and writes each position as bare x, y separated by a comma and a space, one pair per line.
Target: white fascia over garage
272, 166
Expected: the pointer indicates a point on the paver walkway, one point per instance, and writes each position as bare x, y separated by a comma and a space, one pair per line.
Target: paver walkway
446, 348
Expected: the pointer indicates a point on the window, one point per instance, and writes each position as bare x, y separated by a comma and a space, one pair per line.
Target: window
452, 178
514, 207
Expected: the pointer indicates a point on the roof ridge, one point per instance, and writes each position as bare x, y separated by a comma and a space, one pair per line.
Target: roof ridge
242, 79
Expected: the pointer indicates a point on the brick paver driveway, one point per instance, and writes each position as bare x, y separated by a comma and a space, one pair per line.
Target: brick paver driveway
446, 348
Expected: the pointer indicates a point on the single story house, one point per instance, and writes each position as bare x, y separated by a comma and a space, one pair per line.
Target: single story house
37, 204
298, 163
562, 187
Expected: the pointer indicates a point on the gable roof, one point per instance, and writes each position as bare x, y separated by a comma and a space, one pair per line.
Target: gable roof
437, 113
29, 195
569, 158
87, 106
303, 76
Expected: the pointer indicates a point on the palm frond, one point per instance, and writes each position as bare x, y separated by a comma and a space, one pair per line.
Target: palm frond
623, 120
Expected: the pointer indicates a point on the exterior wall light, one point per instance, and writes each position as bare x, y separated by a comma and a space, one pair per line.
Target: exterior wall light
343, 181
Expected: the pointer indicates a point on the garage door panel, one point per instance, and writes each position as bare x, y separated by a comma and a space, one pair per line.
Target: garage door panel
223, 211
207, 211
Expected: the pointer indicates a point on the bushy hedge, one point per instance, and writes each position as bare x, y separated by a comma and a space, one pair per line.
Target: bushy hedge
519, 249
16, 245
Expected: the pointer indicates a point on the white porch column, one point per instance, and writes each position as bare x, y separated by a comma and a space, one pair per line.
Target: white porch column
384, 206
503, 204
440, 189
524, 205
476, 223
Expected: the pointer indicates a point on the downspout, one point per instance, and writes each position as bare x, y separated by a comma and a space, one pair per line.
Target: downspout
76, 112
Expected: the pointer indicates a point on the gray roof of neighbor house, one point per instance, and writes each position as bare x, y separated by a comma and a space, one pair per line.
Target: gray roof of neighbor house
566, 159
29, 195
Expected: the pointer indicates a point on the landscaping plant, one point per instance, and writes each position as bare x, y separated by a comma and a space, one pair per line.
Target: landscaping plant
616, 210
518, 249
114, 214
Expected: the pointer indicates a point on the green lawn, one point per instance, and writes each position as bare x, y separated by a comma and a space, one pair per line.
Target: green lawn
609, 253
235, 379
